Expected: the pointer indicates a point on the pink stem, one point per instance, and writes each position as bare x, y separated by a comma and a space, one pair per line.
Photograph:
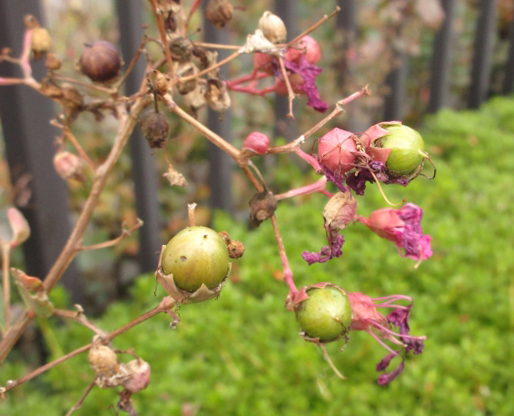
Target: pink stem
251, 90
11, 81
255, 75
288, 274
388, 331
309, 159
25, 55
394, 297
387, 347
317, 186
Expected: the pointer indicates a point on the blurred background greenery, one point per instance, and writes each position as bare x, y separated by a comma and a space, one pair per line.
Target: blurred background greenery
241, 355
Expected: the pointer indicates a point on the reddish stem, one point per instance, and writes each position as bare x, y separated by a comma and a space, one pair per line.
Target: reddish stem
288, 274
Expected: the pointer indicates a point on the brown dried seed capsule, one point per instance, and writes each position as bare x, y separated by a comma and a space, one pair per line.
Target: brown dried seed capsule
217, 96
219, 12
181, 48
155, 128
103, 360
262, 206
53, 63
100, 62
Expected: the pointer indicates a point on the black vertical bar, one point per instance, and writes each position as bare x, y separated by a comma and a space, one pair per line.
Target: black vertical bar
220, 164
130, 18
508, 82
346, 18
483, 51
393, 104
29, 144
284, 126
441, 64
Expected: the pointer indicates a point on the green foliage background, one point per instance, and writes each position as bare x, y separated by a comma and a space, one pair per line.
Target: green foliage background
241, 355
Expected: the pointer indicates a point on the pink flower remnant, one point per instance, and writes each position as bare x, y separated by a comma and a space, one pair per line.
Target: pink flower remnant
367, 318
403, 228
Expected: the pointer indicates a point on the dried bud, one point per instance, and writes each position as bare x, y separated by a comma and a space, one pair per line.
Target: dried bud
235, 248
53, 63
219, 12
196, 98
217, 96
256, 142
68, 166
155, 128
41, 40
161, 82
103, 360
262, 206
167, 6
71, 100
19, 226
139, 375
273, 27
184, 70
100, 62
181, 48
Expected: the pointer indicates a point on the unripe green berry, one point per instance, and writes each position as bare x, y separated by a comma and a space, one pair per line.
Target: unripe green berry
407, 149
326, 314
195, 256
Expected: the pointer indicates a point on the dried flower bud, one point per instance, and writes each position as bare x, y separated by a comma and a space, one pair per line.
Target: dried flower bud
235, 248
256, 142
161, 82
184, 70
100, 62
273, 27
68, 166
219, 12
53, 63
103, 360
217, 96
181, 48
41, 41
196, 98
19, 226
262, 206
138, 375
71, 100
167, 6
155, 128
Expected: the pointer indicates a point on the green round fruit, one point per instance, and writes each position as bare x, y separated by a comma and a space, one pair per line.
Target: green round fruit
326, 314
195, 256
407, 149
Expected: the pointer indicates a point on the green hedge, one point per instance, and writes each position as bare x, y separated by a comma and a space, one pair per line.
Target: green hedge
241, 355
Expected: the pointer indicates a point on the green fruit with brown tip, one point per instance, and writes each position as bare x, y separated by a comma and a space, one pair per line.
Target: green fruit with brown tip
326, 314
195, 256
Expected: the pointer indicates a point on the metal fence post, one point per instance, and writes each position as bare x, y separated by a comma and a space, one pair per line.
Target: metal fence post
30, 150
393, 103
483, 51
440, 76
130, 17
508, 82
220, 164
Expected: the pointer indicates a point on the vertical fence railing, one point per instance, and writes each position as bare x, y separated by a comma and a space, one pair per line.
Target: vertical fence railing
396, 81
144, 175
508, 82
29, 145
482, 53
220, 164
441, 64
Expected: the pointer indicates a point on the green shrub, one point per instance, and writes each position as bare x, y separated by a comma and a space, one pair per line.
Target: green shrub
241, 354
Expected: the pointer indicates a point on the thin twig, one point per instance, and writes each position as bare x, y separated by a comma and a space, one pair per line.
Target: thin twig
82, 398
217, 46
69, 135
124, 234
78, 316
85, 84
6, 250
162, 32
132, 63
313, 27
290, 93
211, 68
191, 214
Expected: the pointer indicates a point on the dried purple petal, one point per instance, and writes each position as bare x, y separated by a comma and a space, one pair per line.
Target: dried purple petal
388, 377
308, 72
326, 253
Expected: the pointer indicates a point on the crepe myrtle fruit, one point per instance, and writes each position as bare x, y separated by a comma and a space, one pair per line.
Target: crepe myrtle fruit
407, 150
196, 256
155, 128
100, 62
326, 314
